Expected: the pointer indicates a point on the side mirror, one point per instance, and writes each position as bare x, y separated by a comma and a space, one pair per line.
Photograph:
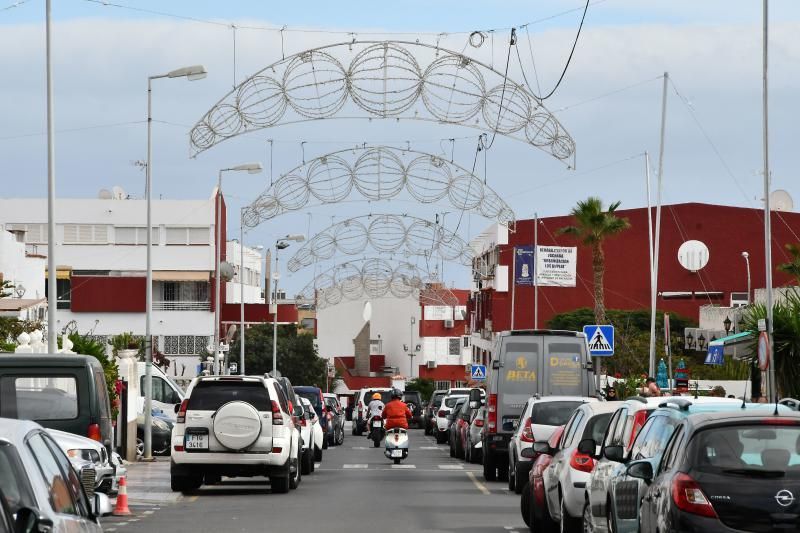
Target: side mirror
29, 520
101, 505
177, 408
587, 447
614, 453
542, 446
474, 404
529, 453
641, 470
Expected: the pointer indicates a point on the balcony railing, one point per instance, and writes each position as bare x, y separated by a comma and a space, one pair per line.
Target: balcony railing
181, 305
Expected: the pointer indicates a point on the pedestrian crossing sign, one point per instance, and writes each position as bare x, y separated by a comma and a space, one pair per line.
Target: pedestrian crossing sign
478, 372
600, 340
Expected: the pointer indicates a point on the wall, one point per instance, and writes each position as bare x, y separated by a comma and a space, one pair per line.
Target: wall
97, 294
163, 322
21, 269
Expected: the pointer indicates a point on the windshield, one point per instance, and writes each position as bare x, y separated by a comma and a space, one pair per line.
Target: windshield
13, 481
451, 401
553, 413
748, 451
312, 397
211, 395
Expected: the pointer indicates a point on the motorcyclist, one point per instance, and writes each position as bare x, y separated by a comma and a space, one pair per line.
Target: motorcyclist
396, 413
374, 408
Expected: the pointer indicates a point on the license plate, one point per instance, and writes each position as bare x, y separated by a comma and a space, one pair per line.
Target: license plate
376, 424
196, 441
397, 453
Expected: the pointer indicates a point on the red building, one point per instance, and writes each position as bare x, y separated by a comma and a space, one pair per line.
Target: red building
726, 231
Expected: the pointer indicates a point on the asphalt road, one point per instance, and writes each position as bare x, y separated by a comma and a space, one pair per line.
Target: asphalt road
355, 489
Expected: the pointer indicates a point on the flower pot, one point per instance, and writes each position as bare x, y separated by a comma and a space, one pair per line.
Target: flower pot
127, 354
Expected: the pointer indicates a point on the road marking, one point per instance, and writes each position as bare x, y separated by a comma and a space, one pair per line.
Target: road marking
317, 465
360, 448
110, 529
348, 466
451, 467
193, 498
404, 466
429, 448
478, 485
149, 512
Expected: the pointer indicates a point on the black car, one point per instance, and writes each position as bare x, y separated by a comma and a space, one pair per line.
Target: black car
413, 399
732, 471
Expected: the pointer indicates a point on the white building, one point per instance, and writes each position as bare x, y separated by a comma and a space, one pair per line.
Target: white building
253, 261
101, 263
25, 272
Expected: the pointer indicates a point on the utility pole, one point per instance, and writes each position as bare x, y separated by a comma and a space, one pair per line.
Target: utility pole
772, 389
654, 274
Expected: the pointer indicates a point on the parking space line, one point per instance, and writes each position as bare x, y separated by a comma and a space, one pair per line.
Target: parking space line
478, 485
403, 466
354, 466
451, 467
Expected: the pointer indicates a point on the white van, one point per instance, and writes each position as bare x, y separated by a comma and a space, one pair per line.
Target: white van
166, 393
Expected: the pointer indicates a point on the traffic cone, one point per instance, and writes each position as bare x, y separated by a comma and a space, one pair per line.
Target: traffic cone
121, 508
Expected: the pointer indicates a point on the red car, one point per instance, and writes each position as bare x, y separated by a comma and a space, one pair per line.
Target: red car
533, 504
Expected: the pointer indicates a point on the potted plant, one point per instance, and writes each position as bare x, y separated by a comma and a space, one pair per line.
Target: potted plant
126, 345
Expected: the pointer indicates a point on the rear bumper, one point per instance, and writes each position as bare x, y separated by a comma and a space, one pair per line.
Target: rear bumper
496, 445
238, 469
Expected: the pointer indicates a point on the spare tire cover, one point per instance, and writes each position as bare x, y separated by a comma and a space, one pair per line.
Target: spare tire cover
237, 425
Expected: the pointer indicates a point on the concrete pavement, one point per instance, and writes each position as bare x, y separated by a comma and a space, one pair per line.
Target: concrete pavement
354, 489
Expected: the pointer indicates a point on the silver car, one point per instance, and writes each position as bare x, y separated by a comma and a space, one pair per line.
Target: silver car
39, 483
81, 450
473, 451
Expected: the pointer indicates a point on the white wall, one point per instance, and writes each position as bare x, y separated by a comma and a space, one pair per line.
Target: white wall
163, 323
338, 325
253, 266
20, 269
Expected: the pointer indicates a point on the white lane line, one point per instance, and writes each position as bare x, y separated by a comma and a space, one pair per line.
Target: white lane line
429, 448
354, 466
360, 448
451, 467
402, 467
478, 485
110, 529
149, 512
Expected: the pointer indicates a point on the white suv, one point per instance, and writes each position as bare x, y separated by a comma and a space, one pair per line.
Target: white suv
362, 399
234, 426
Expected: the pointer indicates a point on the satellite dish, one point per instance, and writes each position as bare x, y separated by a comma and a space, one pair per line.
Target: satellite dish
119, 193
780, 200
226, 271
105, 194
693, 255
367, 312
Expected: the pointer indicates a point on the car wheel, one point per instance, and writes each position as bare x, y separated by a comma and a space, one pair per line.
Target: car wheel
295, 474
397, 460
317, 454
180, 481
452, 448
212, 479
340, 439
567, 522
519, 481
588, 526
489, 468
308, 463
279, 484
525, 505
511, 475
441, 437
611, 525
468, 454
325, 442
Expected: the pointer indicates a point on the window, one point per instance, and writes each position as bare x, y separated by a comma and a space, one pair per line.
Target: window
134, 235
442, 385
198, 235
63, 292
39, 397
612, 428
85, 234
619, 431
162, 392
211, 395
658, 437
596, 427
13, 481
59, 490
466, 341
307, 323
34, 233
186, 235
73, 481
454, 347
670, 454
569, 434
102, 393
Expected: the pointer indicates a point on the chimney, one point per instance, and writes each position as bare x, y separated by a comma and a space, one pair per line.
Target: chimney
361, 351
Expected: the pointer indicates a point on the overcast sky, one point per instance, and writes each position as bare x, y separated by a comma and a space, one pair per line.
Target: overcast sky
103, 55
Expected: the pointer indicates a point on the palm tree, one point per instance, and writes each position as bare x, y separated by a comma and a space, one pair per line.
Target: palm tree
793, 266
593, 226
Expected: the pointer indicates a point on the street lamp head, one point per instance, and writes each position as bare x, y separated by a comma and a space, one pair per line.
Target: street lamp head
296, 237
281, 245
745, 255
251, 168
195, 72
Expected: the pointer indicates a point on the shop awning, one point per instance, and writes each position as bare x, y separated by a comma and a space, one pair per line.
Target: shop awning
181, 275
716, 348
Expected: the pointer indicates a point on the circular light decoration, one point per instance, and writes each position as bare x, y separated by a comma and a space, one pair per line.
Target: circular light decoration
428, 178
330, 179
292, 192
383, 79
379, 174
387, 233
465, 192
350, 237
693, 255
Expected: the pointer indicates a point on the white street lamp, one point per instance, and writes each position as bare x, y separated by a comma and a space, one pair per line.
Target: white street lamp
250, 168
191, 73
280, 244
747, 263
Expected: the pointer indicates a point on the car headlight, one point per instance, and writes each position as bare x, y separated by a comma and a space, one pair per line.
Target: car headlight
160, 424
84, 454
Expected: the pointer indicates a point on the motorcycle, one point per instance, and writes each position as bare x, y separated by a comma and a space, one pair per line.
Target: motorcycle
396, 444
376, 432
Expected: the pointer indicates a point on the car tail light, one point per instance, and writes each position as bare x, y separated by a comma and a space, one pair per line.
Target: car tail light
179, 447
779, 421
94, 432
491, 413
638, 421
277, 416
277, 449
581, 461
479, 423
690, 498
441, 413
527, 432
360, 407
181, 419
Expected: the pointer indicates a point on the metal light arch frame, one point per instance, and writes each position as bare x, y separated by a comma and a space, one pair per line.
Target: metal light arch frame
378, 173
387, 234
384, 80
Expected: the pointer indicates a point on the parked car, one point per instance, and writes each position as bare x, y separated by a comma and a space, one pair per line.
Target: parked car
457, 417
235, 426
336, 417
473, 448
413, 399
733, 471
445, 408
306, 422
362, 399
80, 450
430, 411
166, 393
317, 435
63, 392
526, 363
566, 477
33, 469
288, 391
463, 423
533, 504
160, 435
314, 395
540, 417
613, 497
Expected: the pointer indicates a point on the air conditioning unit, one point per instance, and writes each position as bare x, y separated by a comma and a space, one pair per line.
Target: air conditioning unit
431, 364
448, 324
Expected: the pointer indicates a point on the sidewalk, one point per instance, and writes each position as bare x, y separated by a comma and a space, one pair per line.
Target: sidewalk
148, 482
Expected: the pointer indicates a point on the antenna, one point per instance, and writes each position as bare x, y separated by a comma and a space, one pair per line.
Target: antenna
780, 200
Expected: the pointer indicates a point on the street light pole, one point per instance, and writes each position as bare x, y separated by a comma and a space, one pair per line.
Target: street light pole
280, 244
747, 264
772, 389
192, 73
241, 294
52, 294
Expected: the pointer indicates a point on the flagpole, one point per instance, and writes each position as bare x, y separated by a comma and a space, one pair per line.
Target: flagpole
535, 271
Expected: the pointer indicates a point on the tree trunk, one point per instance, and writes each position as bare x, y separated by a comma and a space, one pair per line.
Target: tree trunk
598, 268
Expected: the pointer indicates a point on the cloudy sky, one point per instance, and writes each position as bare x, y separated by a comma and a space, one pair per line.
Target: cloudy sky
609, 101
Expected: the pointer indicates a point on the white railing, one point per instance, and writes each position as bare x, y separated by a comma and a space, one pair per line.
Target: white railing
181, 305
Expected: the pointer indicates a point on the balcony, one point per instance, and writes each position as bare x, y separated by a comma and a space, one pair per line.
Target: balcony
181, 305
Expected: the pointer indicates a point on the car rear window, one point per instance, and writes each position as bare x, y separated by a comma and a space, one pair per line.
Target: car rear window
312, 397
748, 451
211, 395
39, 397
436, 401
451, 401
386, 396
553, 413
